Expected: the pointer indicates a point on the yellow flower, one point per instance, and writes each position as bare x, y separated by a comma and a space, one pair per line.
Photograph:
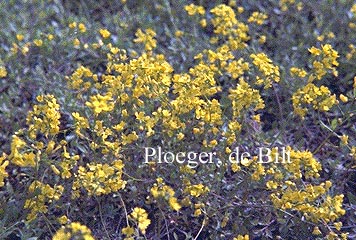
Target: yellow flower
353, 10
316, 231
180, 136
3, 72
269, 71
3, 165
235, 167
61, 235
318, 97
344, 139
193, 9
315, 51
203, 23
38, 42
343, 98
147, 38
99, 179
128, 231
73, 25
99, 103
338, 225
197, 212
179, 33
257, 18
242, 237
196, 190
55, 170
262, 39
74, 230
298, 72
82, 27
76, 42
19, 37
104, 33
141, 217
62, 220
173, 203
44, 117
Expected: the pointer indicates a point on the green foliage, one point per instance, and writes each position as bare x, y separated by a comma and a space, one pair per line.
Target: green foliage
83, 91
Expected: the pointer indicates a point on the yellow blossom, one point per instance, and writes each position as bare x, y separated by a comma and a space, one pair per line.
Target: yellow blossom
73, 25
179, 33
343, 98
104, 33
344, 139
3, 165
20, 37
316, 231
193, 9
147, 38
257, 18
3, 72
128, 231
38, 42
76, 42
100, 103
62, 220
242, 237
74, 230
82, 27
140, 216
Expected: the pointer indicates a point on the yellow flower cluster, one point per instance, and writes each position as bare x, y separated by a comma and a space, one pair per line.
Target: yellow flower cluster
140, 216
99, 179
161, 190
104, 33
196, 190
44, 117
243, 98
353, 10
226, 24
242, 237
19, 155
352, 52
3, 165
67, 164
101, 103
319, 97
306, 200
294, 71
269, 71
38, 42
193, 9
41, 194
77, 80
3, 72
288, 193
147, 38
80, 122
302, 163
258, 18
284, 4
140, 98
327, 60
74, 230
237, 68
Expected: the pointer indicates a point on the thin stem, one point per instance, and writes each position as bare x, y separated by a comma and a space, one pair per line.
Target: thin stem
201, 229
102, 219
